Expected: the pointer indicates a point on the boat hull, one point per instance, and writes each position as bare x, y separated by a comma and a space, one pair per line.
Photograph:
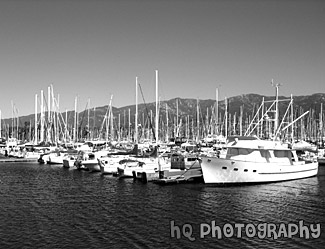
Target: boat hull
223, 171
68, 162
92, 165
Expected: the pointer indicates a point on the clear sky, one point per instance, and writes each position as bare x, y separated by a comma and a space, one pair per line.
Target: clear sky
96, 48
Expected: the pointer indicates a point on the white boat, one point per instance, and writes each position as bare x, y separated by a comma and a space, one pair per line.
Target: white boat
69, 160
251, 160
56, 157
110, 163
89, 160
184, 161
127, 166
131, 167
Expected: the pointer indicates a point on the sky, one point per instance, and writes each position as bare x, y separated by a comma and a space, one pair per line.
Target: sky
95, 49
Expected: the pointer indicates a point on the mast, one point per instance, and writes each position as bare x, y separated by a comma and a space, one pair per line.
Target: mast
66, 126
216, 110
12, 118
49, 125
241, 121
16, 113
197, 122
166, 123
42, 117
0, 125
157, 118
177, 129
88, 113
292, 128
136, 111
35, 129
129, 133
119, 127
276, 118
226, 118
111, 121
207, 126
321, 123
124, 119
94, 123
75, 121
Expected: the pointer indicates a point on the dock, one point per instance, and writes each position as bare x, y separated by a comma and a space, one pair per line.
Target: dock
167, 177
17, 160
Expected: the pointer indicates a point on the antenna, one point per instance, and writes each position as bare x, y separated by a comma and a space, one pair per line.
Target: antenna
276, 118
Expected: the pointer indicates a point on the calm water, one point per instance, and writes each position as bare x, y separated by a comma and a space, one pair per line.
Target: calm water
43, 206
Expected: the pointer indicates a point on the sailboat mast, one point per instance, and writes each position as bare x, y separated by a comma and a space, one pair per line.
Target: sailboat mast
35, 129
75, 120
136, 111
0, 125
198, 122
226, 118
320, 123
177, 128
129, 133
292, 128
167, 130
157, 118
88, 113
217, 113
42, 117
276, 118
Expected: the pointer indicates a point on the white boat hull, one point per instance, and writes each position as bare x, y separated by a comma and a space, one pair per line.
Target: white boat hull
219, 171
69, 161
92, 165
109, 164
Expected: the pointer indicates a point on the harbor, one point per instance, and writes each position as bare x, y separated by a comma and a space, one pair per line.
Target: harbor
276, 143
162, 124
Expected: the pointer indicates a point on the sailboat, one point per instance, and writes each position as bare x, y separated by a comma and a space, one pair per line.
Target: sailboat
146, 168
252, 160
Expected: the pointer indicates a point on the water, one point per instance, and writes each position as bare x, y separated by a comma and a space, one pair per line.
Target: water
43, 206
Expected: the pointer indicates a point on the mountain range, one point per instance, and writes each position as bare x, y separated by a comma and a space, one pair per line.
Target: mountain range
187, 108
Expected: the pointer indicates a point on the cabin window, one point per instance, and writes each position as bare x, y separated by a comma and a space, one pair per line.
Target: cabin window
265, 153
243, 151
233, 151
280, 153
224, 167
254, 170
235, 169
245, 170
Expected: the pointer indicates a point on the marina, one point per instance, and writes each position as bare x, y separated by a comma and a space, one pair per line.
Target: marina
162, 124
